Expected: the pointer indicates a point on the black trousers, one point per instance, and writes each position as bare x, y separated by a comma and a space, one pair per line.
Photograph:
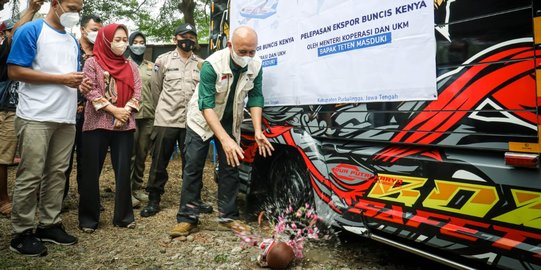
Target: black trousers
164, 140
77, 147
121, 144
196, 151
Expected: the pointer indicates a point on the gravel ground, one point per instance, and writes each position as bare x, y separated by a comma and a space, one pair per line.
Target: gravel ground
149, 247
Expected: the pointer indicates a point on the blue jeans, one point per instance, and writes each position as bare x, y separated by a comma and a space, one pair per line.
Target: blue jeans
195, 152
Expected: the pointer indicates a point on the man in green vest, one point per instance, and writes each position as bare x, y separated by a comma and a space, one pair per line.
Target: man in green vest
216, 111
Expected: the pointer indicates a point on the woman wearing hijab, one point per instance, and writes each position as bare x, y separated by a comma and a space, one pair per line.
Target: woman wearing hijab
144, 119
109, 122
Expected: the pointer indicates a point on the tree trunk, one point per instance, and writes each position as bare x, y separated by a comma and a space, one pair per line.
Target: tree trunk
187, 7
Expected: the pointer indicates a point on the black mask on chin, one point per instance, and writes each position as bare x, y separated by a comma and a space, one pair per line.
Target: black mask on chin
186, 44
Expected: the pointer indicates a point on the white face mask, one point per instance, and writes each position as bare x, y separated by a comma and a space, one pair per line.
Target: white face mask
242, 61
68, 19
119, 48
138, 49
91, 36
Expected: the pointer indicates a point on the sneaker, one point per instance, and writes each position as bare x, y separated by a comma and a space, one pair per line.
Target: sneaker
27, 244
56, 234
135, 203
183, 229
140, 195
236, 226
129, 226
88, 230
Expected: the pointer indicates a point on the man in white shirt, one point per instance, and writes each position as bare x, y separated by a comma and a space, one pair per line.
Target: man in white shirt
45, 59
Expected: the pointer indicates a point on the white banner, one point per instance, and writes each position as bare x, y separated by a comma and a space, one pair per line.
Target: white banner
342, 51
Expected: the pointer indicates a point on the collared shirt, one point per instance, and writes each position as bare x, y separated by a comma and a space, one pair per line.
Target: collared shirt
173, 83
207, 92
87, 49
148, 105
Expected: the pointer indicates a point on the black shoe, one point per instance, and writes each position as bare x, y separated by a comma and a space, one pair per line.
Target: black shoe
56, 234
27, 244
205, 208
151, 209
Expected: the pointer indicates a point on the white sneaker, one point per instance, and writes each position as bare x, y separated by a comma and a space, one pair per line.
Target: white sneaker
140, 195
135, 202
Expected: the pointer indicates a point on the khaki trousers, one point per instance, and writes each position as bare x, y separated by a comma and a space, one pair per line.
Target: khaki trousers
141, 148
8, 139
45, 149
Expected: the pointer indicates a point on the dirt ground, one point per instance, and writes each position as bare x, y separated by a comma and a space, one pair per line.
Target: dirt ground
149, 246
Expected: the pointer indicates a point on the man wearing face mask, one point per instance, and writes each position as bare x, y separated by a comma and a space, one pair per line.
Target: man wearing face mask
215, 111
44, 58
89, 30
90, 25
144, 119
173, 82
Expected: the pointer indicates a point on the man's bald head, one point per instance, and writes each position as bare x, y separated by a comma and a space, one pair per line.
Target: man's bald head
244, 33
243, 41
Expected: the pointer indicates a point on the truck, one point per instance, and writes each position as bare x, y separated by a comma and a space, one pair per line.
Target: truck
455, 179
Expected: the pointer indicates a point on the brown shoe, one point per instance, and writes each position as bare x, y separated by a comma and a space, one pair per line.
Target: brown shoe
237, 227
183, 229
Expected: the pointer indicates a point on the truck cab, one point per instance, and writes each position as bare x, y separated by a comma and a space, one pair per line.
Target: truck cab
453, 177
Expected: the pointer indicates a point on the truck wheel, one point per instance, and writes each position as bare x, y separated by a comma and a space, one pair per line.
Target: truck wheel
289, 183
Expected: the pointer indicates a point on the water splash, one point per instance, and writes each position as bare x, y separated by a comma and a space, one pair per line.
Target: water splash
287, 224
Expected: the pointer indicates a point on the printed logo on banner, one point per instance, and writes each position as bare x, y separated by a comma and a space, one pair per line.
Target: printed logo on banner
344, 45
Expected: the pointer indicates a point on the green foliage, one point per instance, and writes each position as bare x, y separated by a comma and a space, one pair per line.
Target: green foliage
156, 18
111, 11
163, 24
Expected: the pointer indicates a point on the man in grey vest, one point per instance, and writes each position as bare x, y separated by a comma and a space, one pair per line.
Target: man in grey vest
216, 111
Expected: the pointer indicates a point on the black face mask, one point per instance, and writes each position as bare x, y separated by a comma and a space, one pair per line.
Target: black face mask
186, 44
